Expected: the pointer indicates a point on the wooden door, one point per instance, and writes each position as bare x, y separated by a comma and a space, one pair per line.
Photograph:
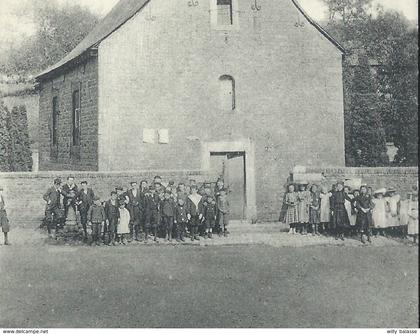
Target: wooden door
235, 182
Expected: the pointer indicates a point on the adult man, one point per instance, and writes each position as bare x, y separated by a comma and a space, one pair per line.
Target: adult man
53, 212
84, 201
69, 191
135, 209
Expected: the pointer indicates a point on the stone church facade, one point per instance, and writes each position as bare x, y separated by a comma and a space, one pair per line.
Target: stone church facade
241, 88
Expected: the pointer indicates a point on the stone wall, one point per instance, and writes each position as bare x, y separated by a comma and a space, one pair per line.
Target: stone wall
23, 191
85, 77
402, 179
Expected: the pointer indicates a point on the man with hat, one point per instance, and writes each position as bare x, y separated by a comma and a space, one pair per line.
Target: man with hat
136, 210
70, 192
84, 201
4, 221
53, 212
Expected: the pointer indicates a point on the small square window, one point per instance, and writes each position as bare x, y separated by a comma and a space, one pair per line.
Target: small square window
149, 136
163, 136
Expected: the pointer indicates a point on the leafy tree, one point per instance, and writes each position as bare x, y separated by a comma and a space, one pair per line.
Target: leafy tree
366, 142
5, 140
386, 39
59, 28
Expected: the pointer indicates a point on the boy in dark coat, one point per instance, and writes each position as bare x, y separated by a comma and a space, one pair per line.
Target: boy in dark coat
53, 213
152, 212
135, 209
181, 219
96, 217
210, 214
112, 214
167, 210
84, 201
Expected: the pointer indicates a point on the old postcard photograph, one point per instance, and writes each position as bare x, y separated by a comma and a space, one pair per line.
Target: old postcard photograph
199, 164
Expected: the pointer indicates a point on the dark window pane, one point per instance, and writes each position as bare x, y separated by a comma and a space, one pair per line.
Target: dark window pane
224, 12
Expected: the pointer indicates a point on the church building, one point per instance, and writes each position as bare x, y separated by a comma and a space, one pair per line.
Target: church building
241, 88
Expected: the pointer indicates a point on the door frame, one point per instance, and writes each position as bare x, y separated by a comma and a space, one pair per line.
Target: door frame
243, 145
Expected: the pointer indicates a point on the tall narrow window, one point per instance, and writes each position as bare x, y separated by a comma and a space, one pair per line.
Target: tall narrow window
76, 118
227, 92
224, 12
55, 112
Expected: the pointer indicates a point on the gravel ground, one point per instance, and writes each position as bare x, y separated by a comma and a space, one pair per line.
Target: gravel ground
230, 284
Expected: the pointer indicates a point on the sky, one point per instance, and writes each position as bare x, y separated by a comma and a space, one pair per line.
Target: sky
15, 27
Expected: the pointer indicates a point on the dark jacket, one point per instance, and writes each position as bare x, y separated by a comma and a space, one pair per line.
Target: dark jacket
181, 213
152, 205
85, 200
167, 207
364, 219
96, 214
194, 210
210, 211
69, 194
53, 195
112, 211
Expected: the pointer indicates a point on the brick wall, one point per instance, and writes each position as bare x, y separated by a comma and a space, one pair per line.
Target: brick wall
85, 75
23, 191
402, 179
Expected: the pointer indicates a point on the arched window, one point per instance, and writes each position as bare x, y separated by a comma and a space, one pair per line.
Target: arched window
227, 92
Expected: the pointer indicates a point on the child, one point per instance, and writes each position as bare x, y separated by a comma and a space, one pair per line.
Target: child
404, 207
413, 217
167, 208
152, 213
304, 199
340, 218
325, 208
291, 213
96, 217
123, 227
180, 219
379, 211
223, 212
364, 205
210, 213
393, 210
314, 210
112, 215
195, 211
349, 207
4, 221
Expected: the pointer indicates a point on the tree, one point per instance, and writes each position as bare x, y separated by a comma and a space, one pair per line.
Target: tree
385, 39
366, 142
21, 155
59, 28
5, 140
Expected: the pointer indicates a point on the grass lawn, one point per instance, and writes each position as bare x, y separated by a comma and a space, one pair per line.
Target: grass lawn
216, 286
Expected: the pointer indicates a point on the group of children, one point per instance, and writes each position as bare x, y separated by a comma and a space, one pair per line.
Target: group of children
140, 212
341, 211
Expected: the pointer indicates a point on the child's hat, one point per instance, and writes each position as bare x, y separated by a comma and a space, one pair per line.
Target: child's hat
380, 191
119, 188
57, 181
391, 190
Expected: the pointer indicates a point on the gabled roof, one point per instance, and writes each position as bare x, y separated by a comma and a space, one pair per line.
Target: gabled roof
318, 27
121, 13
